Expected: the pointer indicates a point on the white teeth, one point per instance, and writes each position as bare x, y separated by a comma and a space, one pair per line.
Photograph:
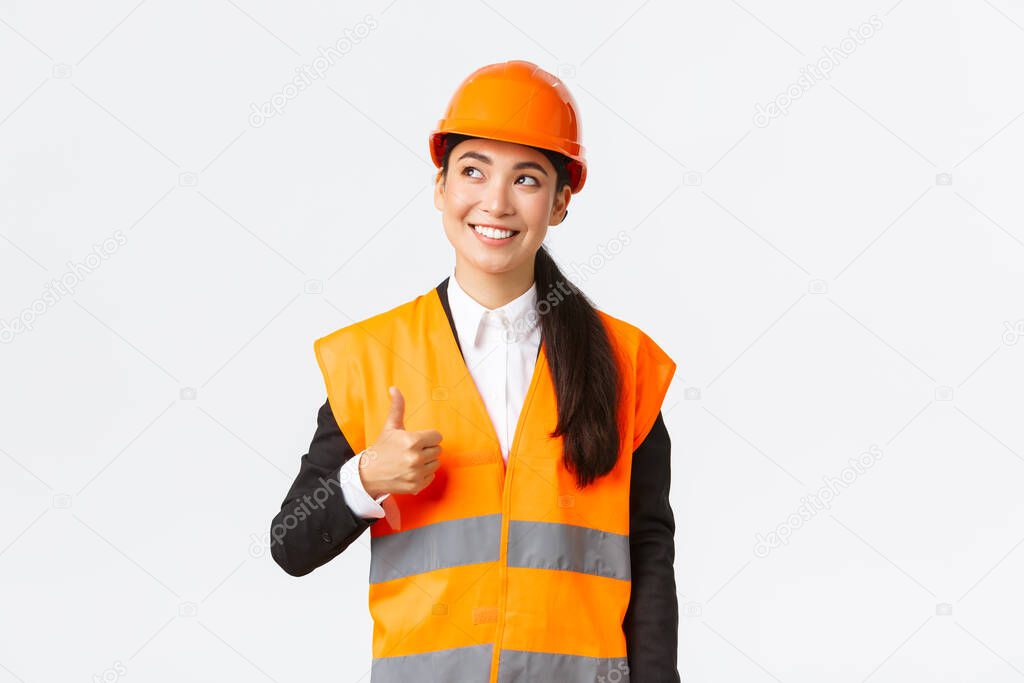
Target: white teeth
494, 233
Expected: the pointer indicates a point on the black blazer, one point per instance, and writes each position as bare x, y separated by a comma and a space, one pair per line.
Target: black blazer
306, 535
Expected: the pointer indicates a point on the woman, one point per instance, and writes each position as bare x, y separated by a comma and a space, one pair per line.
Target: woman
513, 463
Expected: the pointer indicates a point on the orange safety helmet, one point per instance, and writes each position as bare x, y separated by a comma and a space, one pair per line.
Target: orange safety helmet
516, 101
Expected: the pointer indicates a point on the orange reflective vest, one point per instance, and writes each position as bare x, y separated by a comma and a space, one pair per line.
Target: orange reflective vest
497, 573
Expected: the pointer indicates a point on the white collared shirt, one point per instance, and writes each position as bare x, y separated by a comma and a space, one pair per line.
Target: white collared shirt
499, 347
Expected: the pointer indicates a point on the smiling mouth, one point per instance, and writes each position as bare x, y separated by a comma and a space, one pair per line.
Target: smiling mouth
493, 233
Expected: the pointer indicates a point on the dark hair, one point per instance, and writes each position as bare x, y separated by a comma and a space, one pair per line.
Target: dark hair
579, 351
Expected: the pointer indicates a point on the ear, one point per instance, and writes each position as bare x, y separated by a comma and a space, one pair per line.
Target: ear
438, 192
561, 205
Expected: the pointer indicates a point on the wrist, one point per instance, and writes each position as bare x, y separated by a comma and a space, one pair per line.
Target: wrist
369, 485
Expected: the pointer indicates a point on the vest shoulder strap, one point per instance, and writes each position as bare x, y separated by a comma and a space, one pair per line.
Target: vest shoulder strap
646, 367
654, 373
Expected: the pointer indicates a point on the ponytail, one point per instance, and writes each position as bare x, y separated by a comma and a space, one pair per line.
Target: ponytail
583, 371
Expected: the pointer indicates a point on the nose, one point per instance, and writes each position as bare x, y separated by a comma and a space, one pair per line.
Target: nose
496, 200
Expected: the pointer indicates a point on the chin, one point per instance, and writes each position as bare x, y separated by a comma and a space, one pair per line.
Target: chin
490, 266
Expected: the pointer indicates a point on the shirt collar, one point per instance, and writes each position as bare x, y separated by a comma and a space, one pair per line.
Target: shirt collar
519, 316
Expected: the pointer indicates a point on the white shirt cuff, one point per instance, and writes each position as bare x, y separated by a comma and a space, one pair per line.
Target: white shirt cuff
358, 500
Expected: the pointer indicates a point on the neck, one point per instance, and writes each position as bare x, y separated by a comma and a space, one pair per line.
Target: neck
493, 290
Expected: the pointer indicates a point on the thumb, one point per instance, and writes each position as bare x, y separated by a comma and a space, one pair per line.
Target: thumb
396, 416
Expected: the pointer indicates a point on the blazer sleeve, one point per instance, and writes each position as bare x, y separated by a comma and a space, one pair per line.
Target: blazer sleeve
315, 523
651, 623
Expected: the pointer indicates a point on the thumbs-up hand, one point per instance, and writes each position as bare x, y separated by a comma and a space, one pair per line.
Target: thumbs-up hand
400, 461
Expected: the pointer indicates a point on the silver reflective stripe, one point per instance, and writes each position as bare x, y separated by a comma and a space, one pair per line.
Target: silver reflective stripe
460, 664
435, 546
548, 545
519, 666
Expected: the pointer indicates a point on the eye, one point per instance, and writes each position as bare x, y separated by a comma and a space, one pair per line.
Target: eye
470, 168
535, 181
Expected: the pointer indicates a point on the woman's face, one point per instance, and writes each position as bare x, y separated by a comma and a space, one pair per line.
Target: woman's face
504, 185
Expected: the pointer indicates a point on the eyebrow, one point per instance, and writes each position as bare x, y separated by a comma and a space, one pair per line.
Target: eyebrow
487, 160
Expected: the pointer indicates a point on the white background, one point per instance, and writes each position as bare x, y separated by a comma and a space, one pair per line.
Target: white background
823, 287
